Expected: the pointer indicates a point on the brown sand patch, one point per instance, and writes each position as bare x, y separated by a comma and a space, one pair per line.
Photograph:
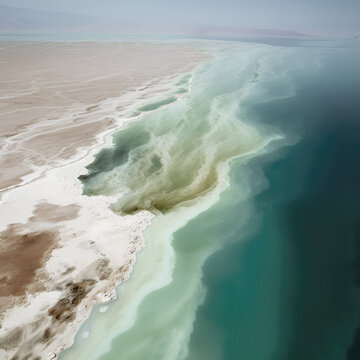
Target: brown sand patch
54, 213
12, 167
12, 339
24, 248
21, 255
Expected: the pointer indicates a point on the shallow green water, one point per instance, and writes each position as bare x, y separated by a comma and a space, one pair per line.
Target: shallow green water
174, 155
158, 104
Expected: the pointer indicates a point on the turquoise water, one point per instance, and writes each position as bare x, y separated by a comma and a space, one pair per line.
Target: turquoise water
253, 179
291, 290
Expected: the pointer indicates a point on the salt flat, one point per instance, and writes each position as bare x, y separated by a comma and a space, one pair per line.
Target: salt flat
61, 252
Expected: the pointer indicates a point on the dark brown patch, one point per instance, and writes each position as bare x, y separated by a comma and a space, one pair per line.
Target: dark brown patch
64, 309
90, 108
46, 336
79, 290
27, 357
12, 339
20, 256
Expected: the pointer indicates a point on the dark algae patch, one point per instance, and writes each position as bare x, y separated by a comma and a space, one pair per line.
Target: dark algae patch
110, 158
171, 157
157, 105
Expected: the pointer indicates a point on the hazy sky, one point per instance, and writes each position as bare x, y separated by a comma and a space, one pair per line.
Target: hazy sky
321, 17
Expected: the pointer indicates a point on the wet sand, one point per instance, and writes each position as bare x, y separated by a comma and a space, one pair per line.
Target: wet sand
62, 252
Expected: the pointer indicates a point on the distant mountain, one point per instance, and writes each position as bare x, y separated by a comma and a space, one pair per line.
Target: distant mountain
22, 20
244, 32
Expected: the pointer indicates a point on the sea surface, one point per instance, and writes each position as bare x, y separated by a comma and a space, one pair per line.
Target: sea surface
251, 165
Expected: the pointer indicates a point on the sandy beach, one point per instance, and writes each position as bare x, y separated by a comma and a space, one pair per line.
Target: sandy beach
62, 252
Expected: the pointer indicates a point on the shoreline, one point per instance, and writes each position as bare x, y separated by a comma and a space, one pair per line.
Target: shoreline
138, 323
52, 199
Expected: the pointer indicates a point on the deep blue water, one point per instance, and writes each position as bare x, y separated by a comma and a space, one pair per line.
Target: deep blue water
289, 289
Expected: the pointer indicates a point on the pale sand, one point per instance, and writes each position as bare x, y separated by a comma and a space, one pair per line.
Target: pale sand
62, 252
